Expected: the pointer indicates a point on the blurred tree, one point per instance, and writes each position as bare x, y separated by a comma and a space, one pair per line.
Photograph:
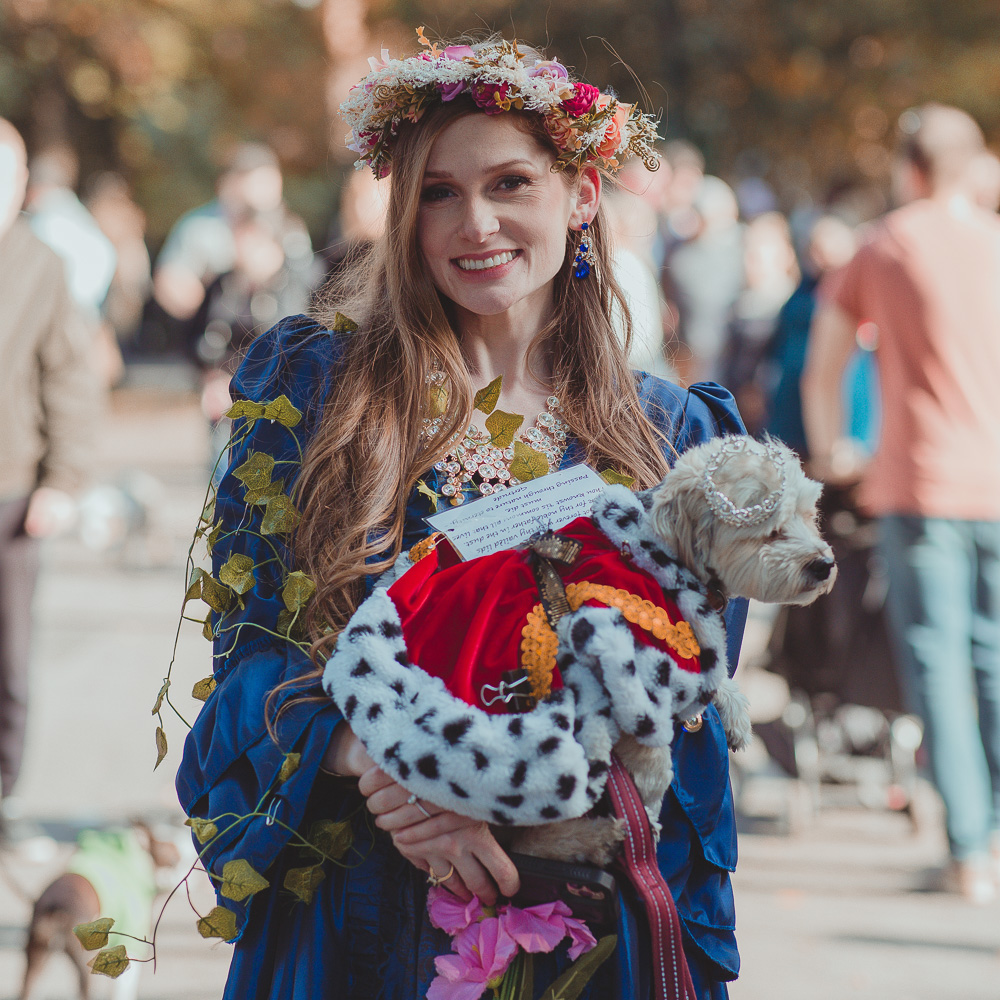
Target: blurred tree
803, 92
159, 89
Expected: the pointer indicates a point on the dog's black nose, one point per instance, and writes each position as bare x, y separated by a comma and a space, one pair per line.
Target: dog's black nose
819, 569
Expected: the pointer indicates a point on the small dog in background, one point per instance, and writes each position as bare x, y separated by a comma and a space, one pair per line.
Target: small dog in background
112, 873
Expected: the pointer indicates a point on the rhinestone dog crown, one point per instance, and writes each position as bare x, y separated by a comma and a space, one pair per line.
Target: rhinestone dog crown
722, 505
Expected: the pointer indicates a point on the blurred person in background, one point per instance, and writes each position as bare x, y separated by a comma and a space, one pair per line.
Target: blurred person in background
50, 395
109, 200
202, 245
263, 286
703, 278
684, 170
984, 180
928, 279
830, 247
61, 221
770, 273
633, 222
359, 221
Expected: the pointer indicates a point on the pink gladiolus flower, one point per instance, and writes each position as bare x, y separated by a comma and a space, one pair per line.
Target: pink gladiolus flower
449, 913
582, 101
458, 52
485, 950
536, 928
579, 934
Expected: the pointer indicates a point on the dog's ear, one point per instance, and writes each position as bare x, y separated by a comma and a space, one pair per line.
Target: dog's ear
681, 517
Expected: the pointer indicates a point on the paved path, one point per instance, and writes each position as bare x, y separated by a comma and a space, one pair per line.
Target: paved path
832, 913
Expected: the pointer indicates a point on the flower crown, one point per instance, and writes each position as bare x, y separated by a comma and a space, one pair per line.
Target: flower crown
588, 127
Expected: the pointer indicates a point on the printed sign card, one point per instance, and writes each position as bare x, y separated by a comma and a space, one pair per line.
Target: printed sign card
510, 517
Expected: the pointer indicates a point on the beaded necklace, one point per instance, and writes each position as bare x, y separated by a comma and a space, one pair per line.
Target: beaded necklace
474, 463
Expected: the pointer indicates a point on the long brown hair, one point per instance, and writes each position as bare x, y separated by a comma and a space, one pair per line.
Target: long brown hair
362, 464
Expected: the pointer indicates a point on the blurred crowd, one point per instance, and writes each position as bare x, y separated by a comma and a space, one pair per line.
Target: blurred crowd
720, 283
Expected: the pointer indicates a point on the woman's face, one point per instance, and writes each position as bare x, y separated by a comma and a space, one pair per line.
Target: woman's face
493, 216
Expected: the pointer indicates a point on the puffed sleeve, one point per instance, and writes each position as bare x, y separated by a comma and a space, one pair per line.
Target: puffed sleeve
231, 764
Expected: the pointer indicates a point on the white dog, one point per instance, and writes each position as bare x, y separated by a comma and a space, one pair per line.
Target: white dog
734, 517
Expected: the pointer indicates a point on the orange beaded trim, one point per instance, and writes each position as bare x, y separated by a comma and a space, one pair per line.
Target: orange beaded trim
539, 642
424, 547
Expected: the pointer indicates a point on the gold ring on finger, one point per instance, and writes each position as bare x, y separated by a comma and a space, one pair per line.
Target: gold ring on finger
436, 880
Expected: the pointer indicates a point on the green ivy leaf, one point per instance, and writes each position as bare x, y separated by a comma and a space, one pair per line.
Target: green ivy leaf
502, 427
239, 880
194, 586
245, 409
528, 463
204, 829
332, 838
487, 399
161, 746
290, 624
206, 629
255, 472
208, 511
94, 935
213, 537
423, 488
303, 881
203, 688
437, 401
159, 698
282, 410
341, 324
219, 922
572, 982
237, 573
613, 478
265, 493
298, 590
280, 516
111, 962
289, 766
215, 595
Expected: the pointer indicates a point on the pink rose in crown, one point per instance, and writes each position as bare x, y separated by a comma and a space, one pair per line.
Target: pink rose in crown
612, 140
458, 52
449, 91
549, 67
583, 100
492, 98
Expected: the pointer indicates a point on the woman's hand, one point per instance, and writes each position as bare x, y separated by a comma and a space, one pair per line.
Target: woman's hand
346, 754
481, 866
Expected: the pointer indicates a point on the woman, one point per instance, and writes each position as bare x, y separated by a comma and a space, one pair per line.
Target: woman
496, 163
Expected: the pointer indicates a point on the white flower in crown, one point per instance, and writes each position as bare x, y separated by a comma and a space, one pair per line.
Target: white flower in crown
587, 126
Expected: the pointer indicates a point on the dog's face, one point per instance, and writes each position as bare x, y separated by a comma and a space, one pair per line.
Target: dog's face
782, 559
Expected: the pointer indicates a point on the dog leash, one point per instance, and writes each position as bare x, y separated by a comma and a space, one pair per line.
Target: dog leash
672, 978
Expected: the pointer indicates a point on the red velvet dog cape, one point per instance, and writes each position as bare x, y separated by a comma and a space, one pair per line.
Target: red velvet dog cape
418, 670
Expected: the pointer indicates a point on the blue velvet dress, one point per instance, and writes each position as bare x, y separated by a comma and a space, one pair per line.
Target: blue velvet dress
365, 934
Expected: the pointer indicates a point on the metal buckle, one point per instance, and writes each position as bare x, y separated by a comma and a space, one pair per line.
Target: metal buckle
505, 692
694, 724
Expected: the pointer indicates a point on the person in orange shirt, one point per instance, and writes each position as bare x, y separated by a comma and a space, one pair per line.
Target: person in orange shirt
928, 279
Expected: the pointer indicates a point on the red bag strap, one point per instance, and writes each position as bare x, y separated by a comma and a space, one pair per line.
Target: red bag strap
672, 978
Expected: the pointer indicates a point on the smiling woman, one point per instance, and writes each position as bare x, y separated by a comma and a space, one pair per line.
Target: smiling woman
465, 314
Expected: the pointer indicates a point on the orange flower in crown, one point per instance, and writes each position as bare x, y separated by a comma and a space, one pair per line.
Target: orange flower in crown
588, 127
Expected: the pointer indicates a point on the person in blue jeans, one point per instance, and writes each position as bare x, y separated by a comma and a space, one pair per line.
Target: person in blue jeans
927, 279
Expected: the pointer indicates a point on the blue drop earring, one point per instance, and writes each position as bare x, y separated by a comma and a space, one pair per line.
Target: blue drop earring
584, 254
